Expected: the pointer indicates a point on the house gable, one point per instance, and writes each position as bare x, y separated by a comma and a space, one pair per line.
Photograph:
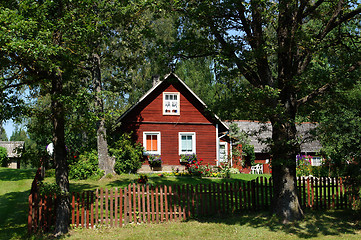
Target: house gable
192, 110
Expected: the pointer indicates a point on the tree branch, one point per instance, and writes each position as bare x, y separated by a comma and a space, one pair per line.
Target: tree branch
311, 9
325, 87
333, 22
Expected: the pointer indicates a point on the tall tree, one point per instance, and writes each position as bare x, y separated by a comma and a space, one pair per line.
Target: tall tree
273, 45
3, 136
49, 46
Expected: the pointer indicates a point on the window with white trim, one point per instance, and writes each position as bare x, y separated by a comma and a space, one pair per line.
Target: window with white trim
171, 103
151, 142
223, 156
187, 143
316, 161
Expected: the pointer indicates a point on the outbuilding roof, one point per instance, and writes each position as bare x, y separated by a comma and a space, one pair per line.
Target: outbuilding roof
259, 132
13, 148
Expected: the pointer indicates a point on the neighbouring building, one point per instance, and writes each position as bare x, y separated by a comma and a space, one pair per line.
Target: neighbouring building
14, 150
258, 132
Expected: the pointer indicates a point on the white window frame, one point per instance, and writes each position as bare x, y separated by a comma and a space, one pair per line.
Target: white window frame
178, 103
193, 134
226, 151
158, 152
314, 159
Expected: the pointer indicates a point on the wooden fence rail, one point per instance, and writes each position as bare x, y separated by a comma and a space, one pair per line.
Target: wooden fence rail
146, 204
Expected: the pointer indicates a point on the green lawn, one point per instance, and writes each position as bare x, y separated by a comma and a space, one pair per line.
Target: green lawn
16, 184
317, 225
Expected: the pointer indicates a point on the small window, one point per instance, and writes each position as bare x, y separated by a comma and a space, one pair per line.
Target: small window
223, 156
187, 143
171, 103
316, 161
151, 142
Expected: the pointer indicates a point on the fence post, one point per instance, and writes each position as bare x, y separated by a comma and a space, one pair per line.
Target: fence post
30, 214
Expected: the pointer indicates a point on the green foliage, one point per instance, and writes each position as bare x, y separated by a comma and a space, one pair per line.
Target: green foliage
128, 155
47, 189
224, 169
3, 136
247, 155
303, 167
3, 157
85, 167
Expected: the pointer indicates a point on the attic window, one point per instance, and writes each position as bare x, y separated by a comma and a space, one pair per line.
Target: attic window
171, 103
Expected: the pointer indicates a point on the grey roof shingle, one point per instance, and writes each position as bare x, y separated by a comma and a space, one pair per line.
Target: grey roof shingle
259, 132
12, 148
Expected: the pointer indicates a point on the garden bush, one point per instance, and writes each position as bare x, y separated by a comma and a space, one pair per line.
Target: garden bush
128, 155
3, 157
86, 167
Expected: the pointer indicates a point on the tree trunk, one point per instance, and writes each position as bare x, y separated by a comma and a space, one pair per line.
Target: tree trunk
285, 147
106, 163
60, 159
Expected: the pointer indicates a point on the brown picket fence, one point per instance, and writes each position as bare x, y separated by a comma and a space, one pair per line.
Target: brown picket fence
156, 204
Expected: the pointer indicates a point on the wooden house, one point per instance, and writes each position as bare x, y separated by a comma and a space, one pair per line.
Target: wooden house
171, 120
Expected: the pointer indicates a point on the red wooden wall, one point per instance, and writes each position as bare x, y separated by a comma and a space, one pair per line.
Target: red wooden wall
148, 116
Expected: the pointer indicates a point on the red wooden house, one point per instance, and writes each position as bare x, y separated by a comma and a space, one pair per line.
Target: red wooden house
171, 120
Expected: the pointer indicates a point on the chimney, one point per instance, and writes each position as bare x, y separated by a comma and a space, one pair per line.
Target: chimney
155, 79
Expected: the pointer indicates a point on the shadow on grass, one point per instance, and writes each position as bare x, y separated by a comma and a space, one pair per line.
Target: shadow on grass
13, 209
7, 174
171, 180
315, 223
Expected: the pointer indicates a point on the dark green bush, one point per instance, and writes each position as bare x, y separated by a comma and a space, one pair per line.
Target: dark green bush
128, 155
86, 167
3, 157
46, 189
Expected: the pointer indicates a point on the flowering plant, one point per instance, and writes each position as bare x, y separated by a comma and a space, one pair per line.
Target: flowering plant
303, 165
155, 160
224, 169
195, 168
142, 178
188, 158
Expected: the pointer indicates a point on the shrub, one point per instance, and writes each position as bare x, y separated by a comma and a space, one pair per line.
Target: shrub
224, 169
3, 157
86, 167
195, 168
46, 189
128, 155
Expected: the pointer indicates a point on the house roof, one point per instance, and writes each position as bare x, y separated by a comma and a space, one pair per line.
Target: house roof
157, 85
258, 132
12, 148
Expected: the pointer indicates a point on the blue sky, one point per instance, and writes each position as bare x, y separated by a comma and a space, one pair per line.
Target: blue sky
9, 128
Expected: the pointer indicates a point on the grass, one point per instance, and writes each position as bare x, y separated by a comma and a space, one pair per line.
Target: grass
14, 191
317, 225
16, 184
